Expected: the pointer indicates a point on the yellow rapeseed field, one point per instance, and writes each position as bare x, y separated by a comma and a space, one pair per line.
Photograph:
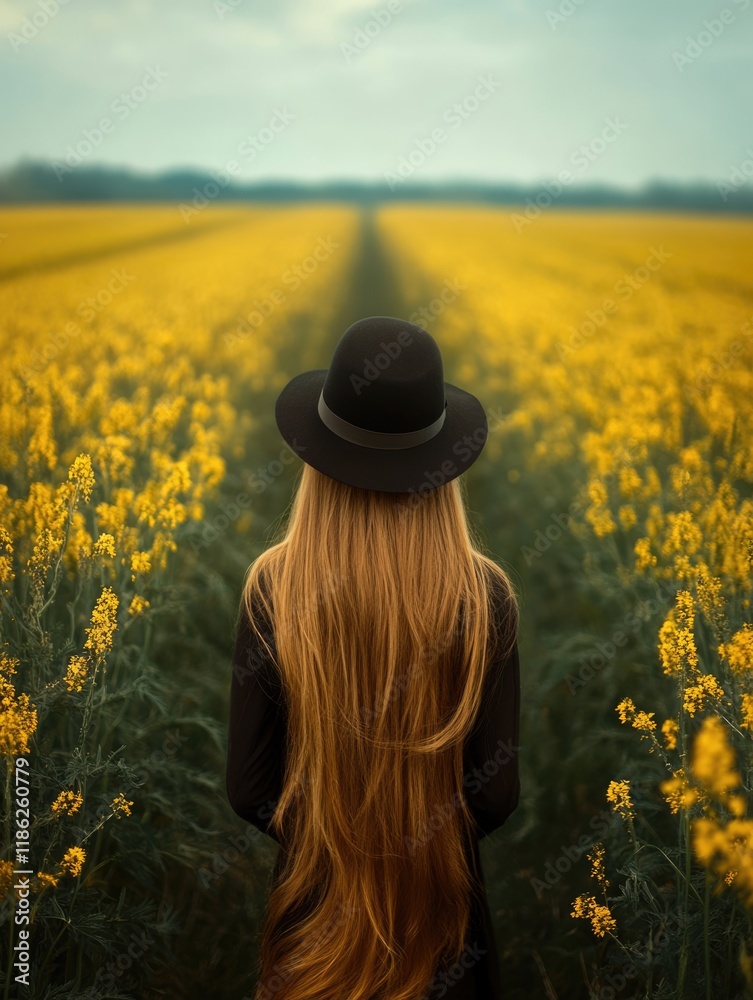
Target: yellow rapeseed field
614, 353
626, 345
133, 346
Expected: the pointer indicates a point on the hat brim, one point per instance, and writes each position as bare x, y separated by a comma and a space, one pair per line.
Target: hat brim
406, 470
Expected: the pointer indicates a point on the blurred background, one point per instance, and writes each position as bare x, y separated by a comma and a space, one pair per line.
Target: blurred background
347, 91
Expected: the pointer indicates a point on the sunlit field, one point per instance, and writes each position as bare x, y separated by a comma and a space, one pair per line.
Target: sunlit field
142, 471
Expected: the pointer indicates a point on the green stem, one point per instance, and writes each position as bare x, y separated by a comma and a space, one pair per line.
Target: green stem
72, 608
706, 943
686, 907
667, 858
728, 963
51, 950
87, 707
59, 563
684, 835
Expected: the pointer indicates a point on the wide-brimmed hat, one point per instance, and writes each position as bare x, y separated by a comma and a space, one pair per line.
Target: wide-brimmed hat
381, 417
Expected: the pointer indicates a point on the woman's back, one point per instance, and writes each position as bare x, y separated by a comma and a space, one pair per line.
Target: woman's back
489, 785
374, 734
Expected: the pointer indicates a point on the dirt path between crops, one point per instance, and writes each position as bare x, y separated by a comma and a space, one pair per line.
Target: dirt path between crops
374, 283
371, 287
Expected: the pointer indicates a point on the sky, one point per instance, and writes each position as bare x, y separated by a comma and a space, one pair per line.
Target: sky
510, 90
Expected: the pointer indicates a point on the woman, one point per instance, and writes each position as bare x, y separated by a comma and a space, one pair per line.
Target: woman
374, 704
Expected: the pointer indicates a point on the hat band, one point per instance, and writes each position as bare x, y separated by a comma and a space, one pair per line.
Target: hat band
377, 439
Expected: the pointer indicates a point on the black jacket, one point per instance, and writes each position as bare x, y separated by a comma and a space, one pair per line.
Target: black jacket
255, 757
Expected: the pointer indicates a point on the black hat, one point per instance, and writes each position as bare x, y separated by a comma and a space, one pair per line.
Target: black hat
382, 417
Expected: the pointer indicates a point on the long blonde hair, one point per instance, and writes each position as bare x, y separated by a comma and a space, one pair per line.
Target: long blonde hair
383, 628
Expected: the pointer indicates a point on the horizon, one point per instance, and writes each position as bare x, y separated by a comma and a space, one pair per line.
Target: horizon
148, 173
740, 180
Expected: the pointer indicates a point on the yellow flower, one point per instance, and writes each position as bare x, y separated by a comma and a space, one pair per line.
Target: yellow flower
598, 514
73, 860
747, 711
643, 721
103, 623
710, 597
643, 555
76, 674
684, 536
670, 730
677, 636
140, 563
630, 481
655, 516
120, 804
726, 850
8, 664
46, 546
618, 793
596, 857
696, 695
6, 553
112, 516
597, 493
42, 449
45, 880
678, 792
80, 543
599, 914
18, 719
67, 802
602, 920
713, 764
82, 475
105, 546
601, 520
738, 652
138, 606
626, 709
627, 516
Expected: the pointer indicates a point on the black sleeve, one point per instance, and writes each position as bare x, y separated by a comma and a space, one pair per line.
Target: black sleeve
491, 753
256, 729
